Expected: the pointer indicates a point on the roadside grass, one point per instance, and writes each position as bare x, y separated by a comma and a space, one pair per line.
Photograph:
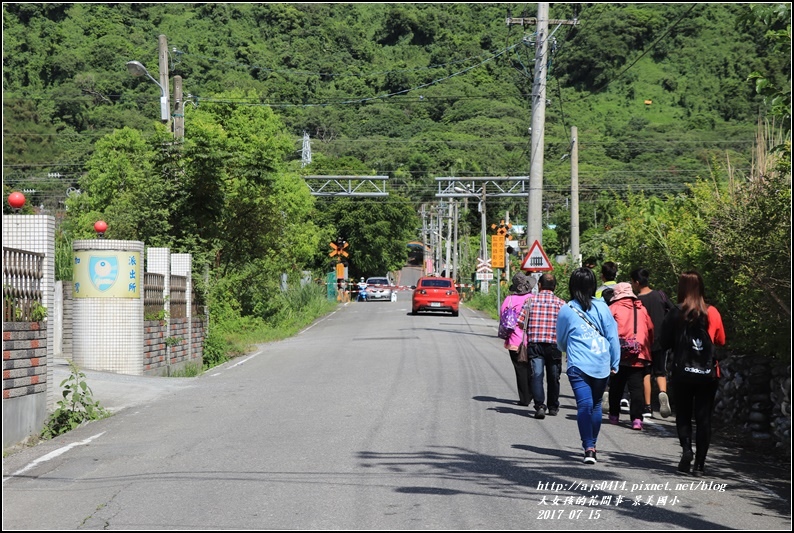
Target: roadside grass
238, 336
485, 302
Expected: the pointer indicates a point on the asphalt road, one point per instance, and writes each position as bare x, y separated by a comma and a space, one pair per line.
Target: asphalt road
373, 419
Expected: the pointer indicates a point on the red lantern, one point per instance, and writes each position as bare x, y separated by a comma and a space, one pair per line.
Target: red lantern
16, 200
100, 227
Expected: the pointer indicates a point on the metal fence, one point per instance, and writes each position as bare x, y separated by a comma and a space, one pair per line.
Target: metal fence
153, 300
23, 272
178, 298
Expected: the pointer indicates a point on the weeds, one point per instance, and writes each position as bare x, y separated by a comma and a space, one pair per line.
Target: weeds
76, 407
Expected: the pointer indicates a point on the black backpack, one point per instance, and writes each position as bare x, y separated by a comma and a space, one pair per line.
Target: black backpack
694, 354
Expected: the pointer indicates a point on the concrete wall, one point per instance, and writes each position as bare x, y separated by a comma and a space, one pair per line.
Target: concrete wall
25, 382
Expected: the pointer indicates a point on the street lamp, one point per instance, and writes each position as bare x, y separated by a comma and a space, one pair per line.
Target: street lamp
135, 68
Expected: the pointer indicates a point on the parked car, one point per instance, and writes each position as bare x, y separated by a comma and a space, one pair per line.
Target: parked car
435, 294
379, 288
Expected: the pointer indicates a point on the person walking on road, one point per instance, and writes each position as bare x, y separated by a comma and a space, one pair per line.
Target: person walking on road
609, 271
692, 330
521, 290
636, 327
544, 356
588, 334
657, 304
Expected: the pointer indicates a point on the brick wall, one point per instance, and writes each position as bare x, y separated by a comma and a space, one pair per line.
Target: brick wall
179, 334
154, 354
188, 349
199, 332
24, 359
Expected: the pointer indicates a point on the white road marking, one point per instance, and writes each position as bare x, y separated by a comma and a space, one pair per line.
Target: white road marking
53, 455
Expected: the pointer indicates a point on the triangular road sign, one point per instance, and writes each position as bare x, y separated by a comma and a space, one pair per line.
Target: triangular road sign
536, 260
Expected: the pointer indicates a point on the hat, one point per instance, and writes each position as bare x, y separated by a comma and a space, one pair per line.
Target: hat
522, 284
622, 290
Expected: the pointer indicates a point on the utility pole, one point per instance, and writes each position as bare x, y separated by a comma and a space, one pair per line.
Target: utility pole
424, 241
535, 202
534, 229
448, 266
179, 110
163, 46
456, 252
484, 244
507, 256
575, 197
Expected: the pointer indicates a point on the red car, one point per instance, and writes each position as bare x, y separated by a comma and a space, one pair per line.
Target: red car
435, 294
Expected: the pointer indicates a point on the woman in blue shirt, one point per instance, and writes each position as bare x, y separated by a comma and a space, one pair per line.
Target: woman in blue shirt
588, 333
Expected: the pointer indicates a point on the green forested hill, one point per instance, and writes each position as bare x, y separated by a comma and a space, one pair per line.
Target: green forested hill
411, 90
661, 94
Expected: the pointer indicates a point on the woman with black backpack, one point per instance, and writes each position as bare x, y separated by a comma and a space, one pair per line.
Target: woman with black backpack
692, 330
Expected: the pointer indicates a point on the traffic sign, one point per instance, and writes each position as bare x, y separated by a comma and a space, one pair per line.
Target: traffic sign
484, 265
484, 276
536, 260
498, 251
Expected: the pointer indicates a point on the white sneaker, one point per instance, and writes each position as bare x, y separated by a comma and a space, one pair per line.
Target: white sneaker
624, 405
664, 405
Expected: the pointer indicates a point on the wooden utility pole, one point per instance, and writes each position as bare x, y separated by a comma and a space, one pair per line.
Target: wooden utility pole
575, 197
534, 231
179, 110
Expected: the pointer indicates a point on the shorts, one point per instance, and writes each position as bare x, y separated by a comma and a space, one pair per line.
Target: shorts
659, 363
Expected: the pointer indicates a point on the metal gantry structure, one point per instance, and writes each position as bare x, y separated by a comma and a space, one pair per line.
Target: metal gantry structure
369, 186
451, 187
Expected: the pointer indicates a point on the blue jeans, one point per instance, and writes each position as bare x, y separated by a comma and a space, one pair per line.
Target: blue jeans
588, 392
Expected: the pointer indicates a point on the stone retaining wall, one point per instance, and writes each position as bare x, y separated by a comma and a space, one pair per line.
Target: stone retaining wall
755, 393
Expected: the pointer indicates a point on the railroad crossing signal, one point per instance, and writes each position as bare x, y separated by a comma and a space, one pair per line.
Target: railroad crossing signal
502, 227
498, 251
484, 265
498, 244
338, 249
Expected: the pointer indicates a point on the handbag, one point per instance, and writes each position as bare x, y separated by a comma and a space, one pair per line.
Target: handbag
630, 349
523, 356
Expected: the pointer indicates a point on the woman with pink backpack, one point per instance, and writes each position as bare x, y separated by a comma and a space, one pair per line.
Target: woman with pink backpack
635, 332
521, 290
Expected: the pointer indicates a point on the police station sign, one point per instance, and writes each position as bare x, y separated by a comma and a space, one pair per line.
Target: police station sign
107, 274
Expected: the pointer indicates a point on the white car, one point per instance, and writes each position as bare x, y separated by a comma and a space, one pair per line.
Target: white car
379, 288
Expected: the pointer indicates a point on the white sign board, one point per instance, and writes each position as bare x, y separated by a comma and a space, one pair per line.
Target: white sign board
484, 276
484, 265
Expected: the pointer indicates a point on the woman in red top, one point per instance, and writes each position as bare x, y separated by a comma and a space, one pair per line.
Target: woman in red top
693, 392
633, 323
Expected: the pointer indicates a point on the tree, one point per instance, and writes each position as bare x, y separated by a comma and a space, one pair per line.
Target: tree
125, 188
